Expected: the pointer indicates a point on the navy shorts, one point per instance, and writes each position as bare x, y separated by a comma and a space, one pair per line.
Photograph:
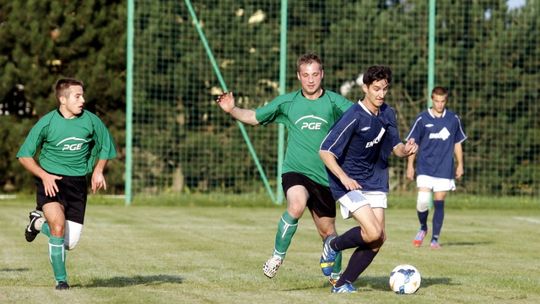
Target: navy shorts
320, 198
72, 194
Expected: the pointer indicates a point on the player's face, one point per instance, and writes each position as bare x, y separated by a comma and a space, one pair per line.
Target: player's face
72, 103
310, 76
438, 103
375, 94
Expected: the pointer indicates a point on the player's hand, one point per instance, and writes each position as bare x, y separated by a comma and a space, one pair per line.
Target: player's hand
410, 147
98, 181
226, 102
49, 184
410, 173
459, 172
349, 183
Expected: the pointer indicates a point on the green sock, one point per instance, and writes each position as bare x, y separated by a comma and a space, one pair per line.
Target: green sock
45, 229
286, 228
336, 270
57, 256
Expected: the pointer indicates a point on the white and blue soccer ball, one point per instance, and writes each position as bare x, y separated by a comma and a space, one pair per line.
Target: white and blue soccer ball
405, 279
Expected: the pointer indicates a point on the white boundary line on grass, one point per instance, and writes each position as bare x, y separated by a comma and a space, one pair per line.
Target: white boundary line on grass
528, 219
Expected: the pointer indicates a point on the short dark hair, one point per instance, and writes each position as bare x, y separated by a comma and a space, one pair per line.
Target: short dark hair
376, 73
308, 58
63, 84
440, 91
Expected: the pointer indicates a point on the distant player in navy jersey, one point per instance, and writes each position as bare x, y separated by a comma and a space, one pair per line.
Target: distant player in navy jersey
71, 143
439, 134
356, 152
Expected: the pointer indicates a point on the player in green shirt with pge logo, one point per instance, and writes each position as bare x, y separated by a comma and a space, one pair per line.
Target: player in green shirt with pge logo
307, 114
72, 143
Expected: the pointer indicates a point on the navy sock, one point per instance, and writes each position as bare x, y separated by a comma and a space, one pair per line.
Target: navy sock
350, 239
422, 218
359, 261
438, 218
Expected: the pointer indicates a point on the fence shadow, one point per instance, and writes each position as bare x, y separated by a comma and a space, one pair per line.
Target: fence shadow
135, 280
14, 269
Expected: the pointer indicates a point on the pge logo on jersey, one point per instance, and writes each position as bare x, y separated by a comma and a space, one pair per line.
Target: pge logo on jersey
310, 122
72, 143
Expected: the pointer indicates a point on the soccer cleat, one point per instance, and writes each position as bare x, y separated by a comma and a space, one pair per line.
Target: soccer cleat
345, 288
328, 256
435, 245
333, 278
62, 286
31, 232
419, 238
271, 266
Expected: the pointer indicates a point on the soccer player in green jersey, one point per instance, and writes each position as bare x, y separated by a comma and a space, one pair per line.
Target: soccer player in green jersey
308, 114
69, 140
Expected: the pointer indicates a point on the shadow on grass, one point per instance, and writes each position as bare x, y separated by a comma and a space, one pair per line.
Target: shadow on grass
135, 280
14, 269
381, 283
466, 243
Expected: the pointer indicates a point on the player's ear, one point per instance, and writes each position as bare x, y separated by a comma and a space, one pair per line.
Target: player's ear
365, 88
298, 76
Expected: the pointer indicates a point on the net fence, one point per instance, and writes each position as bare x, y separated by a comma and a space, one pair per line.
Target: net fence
486, 53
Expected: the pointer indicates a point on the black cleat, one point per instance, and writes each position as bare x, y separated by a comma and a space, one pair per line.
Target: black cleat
31, 232
62, 286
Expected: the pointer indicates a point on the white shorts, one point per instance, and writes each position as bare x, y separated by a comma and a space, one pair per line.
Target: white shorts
355, 199
436, 184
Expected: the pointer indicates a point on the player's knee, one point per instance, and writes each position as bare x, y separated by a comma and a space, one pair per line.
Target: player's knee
373, 235
57, 230
422, 202
295, 211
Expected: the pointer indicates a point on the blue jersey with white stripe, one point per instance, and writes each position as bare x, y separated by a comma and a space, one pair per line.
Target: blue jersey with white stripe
436, 137
361, 143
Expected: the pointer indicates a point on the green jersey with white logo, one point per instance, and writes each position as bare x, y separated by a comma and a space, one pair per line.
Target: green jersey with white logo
68, 146
307, 122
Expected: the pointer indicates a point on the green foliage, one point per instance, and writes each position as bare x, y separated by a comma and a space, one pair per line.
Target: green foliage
45, 40
487, 55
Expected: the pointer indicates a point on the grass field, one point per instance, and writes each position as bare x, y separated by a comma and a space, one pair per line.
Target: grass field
194, 254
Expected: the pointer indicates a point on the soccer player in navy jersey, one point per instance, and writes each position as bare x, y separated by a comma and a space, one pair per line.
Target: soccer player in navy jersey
439, 134
308, 114
356, 152
72, 143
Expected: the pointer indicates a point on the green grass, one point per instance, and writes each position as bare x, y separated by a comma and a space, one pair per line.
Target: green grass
193, 254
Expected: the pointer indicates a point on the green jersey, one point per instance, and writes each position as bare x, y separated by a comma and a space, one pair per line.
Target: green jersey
307, 122
68, 146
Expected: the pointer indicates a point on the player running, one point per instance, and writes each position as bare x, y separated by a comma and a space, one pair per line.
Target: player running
356, 154
308, 114
70, 140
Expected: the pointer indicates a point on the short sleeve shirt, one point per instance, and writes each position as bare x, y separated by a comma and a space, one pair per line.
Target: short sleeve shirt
68, 146
436, 137
307, 122
358, 140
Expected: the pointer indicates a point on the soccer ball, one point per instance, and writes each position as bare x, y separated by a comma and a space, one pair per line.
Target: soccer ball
405, 279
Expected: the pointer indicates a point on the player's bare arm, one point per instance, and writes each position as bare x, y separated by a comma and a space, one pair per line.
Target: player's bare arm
98, 179
458, 152
49, 180
227, 103
330, 162
410, 166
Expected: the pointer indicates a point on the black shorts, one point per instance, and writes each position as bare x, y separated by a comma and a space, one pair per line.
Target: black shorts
72, 194
320, 198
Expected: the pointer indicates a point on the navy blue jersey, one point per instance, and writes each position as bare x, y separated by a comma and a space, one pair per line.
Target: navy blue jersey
361, 143
436, 137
